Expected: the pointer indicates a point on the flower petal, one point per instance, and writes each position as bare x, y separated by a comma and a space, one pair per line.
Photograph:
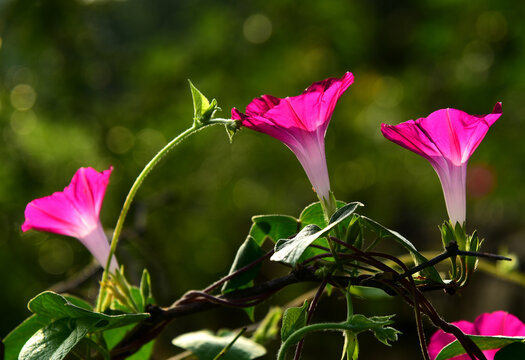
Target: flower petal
440, 339
75, 212
499, 323
447, 138
300, 122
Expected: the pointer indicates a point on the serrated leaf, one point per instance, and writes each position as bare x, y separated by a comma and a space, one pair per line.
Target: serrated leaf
294, 318
206, 346
483, 342
273, 227
377, 324
429, 272
248, 252
289, 251
360, 323
54, 341
386, 334
511, 352
15, 340
55, 306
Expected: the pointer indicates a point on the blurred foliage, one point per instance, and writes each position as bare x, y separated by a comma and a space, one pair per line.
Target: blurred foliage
99, 83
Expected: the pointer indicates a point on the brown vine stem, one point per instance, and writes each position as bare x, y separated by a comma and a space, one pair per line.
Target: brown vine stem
199, 301
311, 311
471, 348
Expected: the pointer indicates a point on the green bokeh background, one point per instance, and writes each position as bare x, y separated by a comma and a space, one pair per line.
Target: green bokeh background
100, 83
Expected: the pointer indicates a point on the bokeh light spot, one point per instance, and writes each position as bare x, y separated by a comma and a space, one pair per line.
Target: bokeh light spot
149, 142
23, 97
23, 122
478, 56
491, 26
55, 256
480, 180
257, 28
120, 139
391, 92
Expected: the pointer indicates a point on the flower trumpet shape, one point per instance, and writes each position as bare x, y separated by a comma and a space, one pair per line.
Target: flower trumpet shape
488, 324
300, 122
447, 138
75, 212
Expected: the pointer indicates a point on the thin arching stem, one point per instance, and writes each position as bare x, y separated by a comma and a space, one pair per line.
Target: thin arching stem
133, 191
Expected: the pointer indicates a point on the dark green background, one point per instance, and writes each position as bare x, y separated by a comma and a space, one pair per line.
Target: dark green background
110, 84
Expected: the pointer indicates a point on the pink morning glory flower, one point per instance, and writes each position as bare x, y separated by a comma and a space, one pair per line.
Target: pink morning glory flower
447, 138
300, 122
75, 212
488, 324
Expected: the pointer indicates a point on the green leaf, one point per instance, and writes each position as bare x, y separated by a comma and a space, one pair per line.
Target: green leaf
51, 305
269, 326
274, 227
81, 303
483, 342
370, 293
113, 336
312, 251
313, 214
248, 252
145, 352
203, 110
206, 346
85, 347
15, 340
289, 251
511, 352
294, 318
384, 232
362, 323
54, 341
250, 311
386, 334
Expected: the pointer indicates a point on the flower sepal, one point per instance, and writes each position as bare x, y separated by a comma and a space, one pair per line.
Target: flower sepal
450, 235
329, 205
121, 296
232, 127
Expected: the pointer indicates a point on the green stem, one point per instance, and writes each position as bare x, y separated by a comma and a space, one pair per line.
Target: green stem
349, 305
299, 334
225, 350
133, 191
